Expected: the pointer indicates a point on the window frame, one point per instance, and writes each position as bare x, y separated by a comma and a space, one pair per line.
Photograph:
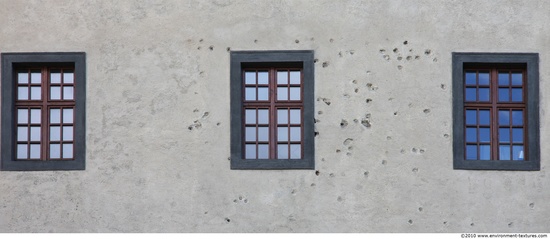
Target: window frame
460, 62
260, 59
10, 62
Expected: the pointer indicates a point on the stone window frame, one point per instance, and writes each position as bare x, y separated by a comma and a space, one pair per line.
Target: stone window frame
531, 62
294, 58
10, 61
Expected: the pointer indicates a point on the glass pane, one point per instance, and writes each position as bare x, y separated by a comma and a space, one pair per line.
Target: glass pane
483, 78
485, 152
282, 151
295, 134
263, 134
263, 151
484, 117
282, 77
67, 151
282, 134
504, 117
55, 77
250, 134
250, 151
282, 116
517, 78
68, 133
22, 116
55, 133
263, 93
471, 152
55, 151
35, 151
250, 77
503, 78
68, 77
471, 94
517, 152
484, 94
263, 116
250, 116
22, 151
35, 133
517, 117
250, 93
67, 116
22, 134
22, 78
517, 95
295, 151
503, 94
517, 135
471, 135
295, 93
36, 93
295, 117
263, 77
471, 117
294, 77
470, 78
35, 116
484, 135
68, 93
55, 116
504, 135
55, 93
504, 152
35, 78
22, 93
282, 93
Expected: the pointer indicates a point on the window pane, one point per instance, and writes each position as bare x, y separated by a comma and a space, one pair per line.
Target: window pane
471, 117
22, 93
68, 133
67, 116
471, 135
55, 77
55, 116
517, 152
67, 151
263, 151
35, 77
263, 93
282, 151
55, 133
22, 116
250, 93
485, 152
263, 77
250, 134
517, 78
35, 133
295, 151
35, 151
503, 94
250, 116
517, 117
282, 116
23, 77
504, 135
294, 77
263, 116
250, 151
22, 134
22, 151
295, 93
471, 152
471, 94
517, 135
250, 77
470, 78
55, 151
282, 77
483, 78
504, 117
295, 117
35, 116
68, 77
484, 135
282, 93
517, 95
484, 117
503, 78
504, 152
282, 134
484, 94
68, 93
55, 93
36, 93
295, 134
263, 134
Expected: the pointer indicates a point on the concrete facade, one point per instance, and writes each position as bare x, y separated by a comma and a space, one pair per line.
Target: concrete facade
158, 117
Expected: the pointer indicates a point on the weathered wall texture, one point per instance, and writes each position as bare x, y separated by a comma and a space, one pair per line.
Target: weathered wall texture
158, 117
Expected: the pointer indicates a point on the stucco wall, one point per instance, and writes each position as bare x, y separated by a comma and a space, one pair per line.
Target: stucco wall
158, 118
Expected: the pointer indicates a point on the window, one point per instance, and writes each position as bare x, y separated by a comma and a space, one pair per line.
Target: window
496, 112
45, 93
272, 110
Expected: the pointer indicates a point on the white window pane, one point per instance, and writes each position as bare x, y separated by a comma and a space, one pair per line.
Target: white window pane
68, 93
35, 151
282, 116
22, 134
282, 93
295, 151
35, 116
263, 77
282, 134
22, 116
250, 134
55, 116
35, 133
295, 134
35, 77
263, 151
68, 116
294, 93
250, 151
263, 93
250, 93
68, 77
55, 151
22, 78
295, 116
55, 133
36, 93
263, 134
22, 151
282, 77
263, 116
68, 133
250, 77
55, 93
67, 151
282, 151
250, 116
22, 93
55, 77
517, 152
294, 77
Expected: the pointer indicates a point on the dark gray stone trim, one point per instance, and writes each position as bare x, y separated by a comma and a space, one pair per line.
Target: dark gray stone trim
532, 62
275, 58
9, 60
